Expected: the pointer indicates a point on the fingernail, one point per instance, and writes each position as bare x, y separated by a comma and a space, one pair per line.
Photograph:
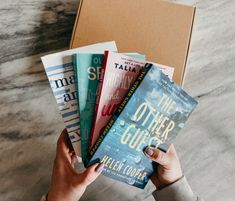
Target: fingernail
149, 151
99, 167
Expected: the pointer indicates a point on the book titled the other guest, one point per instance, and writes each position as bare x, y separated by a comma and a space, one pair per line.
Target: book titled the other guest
151, 114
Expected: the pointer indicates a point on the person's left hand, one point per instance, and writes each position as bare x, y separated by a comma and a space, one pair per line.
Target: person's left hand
67, 184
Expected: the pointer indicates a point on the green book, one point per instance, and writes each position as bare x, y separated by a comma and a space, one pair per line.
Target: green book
87, 70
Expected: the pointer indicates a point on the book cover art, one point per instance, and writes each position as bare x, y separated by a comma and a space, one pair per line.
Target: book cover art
87, 68
60, 73
119, 72
151, 114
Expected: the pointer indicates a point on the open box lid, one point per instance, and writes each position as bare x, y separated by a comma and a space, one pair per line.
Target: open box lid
158, 29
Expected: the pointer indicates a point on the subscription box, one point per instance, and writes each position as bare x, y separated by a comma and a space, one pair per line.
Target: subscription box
159, 29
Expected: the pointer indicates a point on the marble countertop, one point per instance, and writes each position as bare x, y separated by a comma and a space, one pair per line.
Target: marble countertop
30, 122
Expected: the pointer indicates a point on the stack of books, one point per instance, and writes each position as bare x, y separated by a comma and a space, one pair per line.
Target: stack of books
114, 105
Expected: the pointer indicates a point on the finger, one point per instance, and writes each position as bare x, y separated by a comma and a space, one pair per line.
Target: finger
90, 174
62, 141
171, 151
157, 156
64, 147
73, 159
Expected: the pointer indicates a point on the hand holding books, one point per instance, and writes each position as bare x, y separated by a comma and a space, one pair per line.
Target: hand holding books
133, 104
168, 169
67, 184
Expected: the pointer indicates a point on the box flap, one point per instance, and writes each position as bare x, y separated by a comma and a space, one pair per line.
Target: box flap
158, 29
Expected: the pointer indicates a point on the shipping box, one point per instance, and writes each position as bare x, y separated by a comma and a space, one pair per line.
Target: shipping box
158, 29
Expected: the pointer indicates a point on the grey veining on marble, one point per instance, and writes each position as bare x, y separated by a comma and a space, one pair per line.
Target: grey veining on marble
32, 27
30, 122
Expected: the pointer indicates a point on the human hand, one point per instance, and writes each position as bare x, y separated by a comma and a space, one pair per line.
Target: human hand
66, 183
168, 169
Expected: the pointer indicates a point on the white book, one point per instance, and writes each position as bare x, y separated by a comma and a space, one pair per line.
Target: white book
60, 73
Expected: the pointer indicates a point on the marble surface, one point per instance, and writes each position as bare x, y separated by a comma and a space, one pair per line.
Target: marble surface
30, 122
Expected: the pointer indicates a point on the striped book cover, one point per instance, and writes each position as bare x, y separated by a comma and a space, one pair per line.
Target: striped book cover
60, 72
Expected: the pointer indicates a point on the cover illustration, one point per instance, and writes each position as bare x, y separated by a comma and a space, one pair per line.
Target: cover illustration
87, 68
151, 114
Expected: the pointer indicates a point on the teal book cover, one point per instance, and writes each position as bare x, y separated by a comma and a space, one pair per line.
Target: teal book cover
152, 113
87, 68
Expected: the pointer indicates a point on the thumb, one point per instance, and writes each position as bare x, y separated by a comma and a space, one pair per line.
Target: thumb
90, 174
157, 156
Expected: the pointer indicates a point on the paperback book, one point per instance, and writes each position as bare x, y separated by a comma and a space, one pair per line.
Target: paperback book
87, 69
60, 73
152, 113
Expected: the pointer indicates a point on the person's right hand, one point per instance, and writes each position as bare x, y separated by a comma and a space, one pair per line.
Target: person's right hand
67, 184
168, 169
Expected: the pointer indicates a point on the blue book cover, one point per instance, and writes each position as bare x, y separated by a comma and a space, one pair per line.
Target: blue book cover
151, 114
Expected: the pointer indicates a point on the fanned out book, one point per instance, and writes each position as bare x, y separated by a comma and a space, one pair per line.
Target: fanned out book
87, 69
119, 72
60, 72
152, 113
119, 104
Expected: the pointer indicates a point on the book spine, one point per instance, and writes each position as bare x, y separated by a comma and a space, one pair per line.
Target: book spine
74, 61
118, 111
99, 89
75, 69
